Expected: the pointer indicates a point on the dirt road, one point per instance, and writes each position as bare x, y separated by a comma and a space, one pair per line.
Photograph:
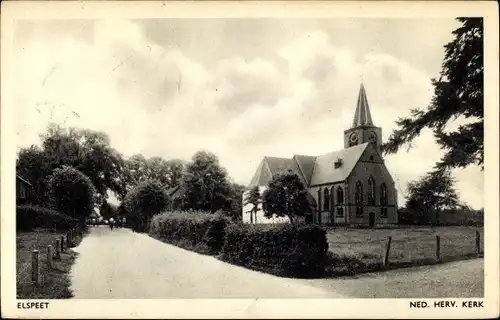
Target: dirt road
121, 264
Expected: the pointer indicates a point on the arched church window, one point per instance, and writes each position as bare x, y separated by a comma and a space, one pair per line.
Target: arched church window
383, 194
332, 198
383, 200
358, 197
327, 200
340, 195
371, 191
319, 200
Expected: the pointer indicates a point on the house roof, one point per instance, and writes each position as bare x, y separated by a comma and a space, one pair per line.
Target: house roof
325, 171
22, 179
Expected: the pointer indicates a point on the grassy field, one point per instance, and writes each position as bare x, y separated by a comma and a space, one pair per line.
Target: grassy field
409, 246
54, 284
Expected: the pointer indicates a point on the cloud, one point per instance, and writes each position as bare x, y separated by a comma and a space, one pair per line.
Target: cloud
154, 98
248, 82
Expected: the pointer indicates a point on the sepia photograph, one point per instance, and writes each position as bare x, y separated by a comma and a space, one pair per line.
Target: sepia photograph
248, 157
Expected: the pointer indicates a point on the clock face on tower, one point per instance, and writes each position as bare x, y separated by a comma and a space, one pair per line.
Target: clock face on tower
353, 139
372, 137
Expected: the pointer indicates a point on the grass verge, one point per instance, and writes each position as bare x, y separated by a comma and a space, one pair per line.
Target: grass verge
354, 251
54, 283
338, 266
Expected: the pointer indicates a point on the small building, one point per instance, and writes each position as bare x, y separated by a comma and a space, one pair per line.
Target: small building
23, 190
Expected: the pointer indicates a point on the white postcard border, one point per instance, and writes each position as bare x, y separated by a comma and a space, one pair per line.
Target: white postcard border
249, 308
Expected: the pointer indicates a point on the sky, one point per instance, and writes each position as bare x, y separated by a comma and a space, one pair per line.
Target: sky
240, 88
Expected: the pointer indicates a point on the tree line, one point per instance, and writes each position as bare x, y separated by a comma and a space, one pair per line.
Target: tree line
80, 164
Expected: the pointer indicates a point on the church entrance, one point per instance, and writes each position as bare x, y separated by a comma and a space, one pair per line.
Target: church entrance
371, 218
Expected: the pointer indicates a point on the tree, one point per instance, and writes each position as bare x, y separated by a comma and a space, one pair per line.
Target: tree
85, 150
143, 201
206, 186
254, 199
71, 192
33, 165
432, 194
286, 195
167, 172
235, 202
457, 92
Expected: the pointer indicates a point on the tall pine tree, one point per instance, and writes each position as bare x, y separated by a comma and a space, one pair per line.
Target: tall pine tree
457, 92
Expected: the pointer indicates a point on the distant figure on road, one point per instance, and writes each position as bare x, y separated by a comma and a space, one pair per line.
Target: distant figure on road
111, 223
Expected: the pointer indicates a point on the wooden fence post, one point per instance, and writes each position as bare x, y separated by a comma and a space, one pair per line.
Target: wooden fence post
50, 256
478, 242
62, 243
387, 250
58, 249
35, 267
438, 248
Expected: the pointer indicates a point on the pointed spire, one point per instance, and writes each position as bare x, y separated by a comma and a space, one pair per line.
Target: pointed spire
362, 117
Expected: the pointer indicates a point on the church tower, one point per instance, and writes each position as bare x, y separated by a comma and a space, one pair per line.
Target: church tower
362, 129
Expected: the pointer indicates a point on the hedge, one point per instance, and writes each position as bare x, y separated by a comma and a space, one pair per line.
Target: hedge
284, 250
29, 217
203, 232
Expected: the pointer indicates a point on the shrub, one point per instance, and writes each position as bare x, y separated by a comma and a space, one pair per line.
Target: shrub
71, 192
201, 231
29, 217
143, 201
413, 217
285, 250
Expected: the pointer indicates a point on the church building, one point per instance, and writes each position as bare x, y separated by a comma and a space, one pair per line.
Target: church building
350, 187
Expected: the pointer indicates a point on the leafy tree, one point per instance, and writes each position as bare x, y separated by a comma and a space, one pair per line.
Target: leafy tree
71, 192
457, 92
254, 199
167, 172
286, 195
235, 202
432, 194
33, 165
205, 185
143, 201
86, 150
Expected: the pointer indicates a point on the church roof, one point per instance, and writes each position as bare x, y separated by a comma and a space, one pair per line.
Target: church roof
321, 169
311, 170
262, 176
324, 168
306, 166
270, 166
362, 116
